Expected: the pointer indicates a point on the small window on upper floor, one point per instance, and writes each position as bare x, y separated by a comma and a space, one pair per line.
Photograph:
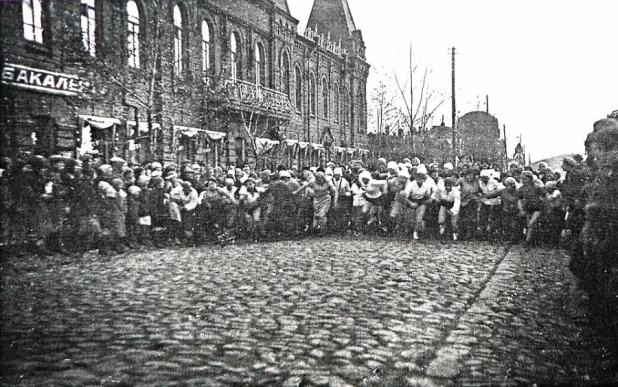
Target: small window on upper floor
133, 34
33, 20
88, 23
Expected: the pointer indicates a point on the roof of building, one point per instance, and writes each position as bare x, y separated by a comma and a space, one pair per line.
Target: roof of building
332, 16
283, 5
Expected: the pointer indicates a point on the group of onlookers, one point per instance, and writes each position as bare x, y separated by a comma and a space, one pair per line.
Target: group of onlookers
65, 205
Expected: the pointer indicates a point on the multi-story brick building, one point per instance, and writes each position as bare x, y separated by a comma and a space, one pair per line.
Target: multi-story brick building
212, 81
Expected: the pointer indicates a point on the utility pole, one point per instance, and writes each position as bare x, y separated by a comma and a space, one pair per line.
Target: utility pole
411, 102
487, 105
453, 107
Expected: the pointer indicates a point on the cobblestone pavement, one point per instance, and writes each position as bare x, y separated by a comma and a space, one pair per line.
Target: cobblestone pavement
312, 312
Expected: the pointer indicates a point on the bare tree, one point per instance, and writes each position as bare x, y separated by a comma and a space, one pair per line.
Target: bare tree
384, 113
420, 101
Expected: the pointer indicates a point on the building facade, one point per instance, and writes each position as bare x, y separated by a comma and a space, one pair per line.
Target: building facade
218, 82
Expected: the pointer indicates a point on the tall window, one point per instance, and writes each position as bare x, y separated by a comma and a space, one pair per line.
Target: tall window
346, 106
298, 94
260, 65
336, 102
178, 42
88, 26
133, 34
205, 46
234, 56
33, 20
324, 98
285, 73
312, 94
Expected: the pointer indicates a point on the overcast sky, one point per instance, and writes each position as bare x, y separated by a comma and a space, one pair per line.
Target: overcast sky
550, 67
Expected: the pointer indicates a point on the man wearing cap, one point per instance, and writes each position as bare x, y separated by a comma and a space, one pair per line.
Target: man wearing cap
419, 195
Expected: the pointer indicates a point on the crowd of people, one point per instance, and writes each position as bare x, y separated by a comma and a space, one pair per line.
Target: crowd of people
65, 205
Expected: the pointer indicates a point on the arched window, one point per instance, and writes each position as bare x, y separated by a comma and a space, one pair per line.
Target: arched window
336, 102
298, 92
346, 106
206, 59
234, 62
33, 20
88, 23
133, 47
285, 73
312, 94
178, 41
324, 98
260, 65
360, 111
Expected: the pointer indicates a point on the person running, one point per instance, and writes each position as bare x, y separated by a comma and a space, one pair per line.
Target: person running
449, 200
324, 197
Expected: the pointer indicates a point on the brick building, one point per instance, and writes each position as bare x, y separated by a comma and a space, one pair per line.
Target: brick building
220, 82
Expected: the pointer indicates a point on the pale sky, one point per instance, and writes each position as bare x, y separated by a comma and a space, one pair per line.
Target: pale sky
550, 67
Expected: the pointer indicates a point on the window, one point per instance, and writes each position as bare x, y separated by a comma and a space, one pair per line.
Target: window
312, 94
205, 46
285, 73
133, 34
178, 41
33, 20
346, 106
336, 102
234, 56
260, 65
324, 98
361, 112
298, 94
88, 26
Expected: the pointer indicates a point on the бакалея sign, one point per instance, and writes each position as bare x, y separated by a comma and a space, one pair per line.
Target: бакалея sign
42, 80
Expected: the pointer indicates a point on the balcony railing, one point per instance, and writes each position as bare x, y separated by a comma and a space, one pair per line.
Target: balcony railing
247, 95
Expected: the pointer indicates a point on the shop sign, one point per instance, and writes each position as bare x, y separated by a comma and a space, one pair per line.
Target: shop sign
51, 82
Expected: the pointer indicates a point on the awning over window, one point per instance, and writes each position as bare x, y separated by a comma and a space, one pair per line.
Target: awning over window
303, 145
339, 149
264, 145
190, 132
143, 126
290, 143
100, 122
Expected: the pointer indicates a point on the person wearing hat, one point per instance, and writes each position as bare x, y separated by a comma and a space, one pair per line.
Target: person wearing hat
419, 195
530, 204
324, 197
341, 213
449, 200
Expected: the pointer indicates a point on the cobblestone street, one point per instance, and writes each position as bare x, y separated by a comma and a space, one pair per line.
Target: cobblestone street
312, 312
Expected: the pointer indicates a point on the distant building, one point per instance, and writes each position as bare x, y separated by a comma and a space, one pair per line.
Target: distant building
222, 82
479, 140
